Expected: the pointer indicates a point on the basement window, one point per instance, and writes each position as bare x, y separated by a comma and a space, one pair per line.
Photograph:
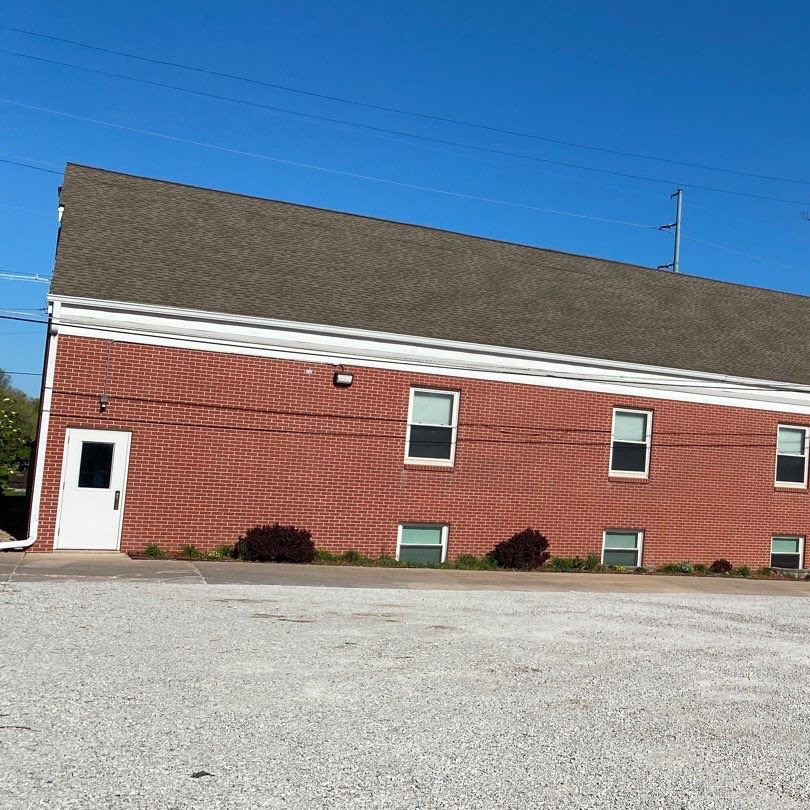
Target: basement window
621, 547
630, 443
791, 456
432, 421
787, 552
422, 543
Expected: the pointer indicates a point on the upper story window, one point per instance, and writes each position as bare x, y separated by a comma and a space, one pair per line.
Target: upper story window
630, 443
432, 422
791, 456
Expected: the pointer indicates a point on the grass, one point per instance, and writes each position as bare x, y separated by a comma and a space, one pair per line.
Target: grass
465, 562
155, 551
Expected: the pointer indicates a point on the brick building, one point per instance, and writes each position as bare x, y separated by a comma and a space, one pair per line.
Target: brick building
217, 361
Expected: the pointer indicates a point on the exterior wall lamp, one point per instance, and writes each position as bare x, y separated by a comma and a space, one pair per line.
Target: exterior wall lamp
343, 379
103, 402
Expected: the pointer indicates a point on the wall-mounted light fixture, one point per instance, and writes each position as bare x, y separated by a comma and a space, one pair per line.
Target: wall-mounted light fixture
103, 402
343, 379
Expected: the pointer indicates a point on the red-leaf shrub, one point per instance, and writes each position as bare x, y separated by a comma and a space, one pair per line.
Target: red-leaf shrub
721, 567
526, 550
276, 544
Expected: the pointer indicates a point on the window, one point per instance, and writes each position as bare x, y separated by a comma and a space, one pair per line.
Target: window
630, 443
95, 465
432, 418
422, 543
622, 548
791, 456
787, 552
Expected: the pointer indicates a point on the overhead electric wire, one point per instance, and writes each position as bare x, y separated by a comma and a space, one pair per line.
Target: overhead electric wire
23, 277
742, 253
341, 357
315, 167
400, 111
28, 166
387, 131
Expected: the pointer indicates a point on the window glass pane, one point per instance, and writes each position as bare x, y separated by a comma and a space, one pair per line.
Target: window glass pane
432, 408
621, 540
787, 545
784, 560
626, 558
430, 442
420, 554
95, 465
790, 440
421, 536
630, 427
629, 457
790, 469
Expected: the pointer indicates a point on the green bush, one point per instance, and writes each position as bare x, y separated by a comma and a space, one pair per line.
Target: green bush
668, 568
700, 568
155, 551
352, 557
741, 571
765, 572
325, 557
469, 562
562, 564
190, 552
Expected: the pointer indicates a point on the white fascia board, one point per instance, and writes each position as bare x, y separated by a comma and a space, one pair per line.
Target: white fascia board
219, 332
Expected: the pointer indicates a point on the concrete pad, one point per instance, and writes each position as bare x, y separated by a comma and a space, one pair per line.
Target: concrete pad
232, 573
101, 565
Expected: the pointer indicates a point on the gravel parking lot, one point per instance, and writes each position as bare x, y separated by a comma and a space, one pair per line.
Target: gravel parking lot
115, 694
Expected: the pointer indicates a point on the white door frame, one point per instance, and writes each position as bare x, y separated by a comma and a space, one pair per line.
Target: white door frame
63, 474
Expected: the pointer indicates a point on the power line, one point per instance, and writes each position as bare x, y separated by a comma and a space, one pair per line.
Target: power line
742, 253
315, 167
399, 111
386, 131
28, 166
708, 385
24, 277
25, 373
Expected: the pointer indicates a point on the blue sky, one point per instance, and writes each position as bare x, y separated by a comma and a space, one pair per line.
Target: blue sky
723, 84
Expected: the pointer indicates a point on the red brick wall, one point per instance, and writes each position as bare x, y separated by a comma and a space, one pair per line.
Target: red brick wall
222, 442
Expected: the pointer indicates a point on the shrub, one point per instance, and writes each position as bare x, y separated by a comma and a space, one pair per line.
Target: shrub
668, 568
386, 561
352, 557
276, 543
721, 567
766, 573
526, 550
700, 568
190, 552
562, 563
220, 553
685, 567
469, 562
741, 571
155, 551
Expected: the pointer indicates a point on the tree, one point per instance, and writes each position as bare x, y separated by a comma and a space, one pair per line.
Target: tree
18, 422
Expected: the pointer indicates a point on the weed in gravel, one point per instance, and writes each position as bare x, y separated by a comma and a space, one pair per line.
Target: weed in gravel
155, 551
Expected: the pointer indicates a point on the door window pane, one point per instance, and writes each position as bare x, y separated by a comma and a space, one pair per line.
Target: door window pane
95, 466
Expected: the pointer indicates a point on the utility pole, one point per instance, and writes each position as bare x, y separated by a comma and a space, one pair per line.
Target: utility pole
675, 264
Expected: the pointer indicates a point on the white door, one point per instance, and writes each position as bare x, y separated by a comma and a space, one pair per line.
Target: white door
94, 475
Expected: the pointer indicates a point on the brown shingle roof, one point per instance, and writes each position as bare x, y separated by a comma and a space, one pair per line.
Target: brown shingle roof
145, 241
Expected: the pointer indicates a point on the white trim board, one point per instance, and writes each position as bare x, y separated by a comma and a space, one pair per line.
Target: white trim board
360, 348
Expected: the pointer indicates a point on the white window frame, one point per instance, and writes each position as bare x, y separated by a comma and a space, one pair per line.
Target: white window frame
790, 484
434, 462
798, 537
639, 543
443, 526
647, 443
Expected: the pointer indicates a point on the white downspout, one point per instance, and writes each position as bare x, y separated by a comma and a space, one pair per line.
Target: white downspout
42, 436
